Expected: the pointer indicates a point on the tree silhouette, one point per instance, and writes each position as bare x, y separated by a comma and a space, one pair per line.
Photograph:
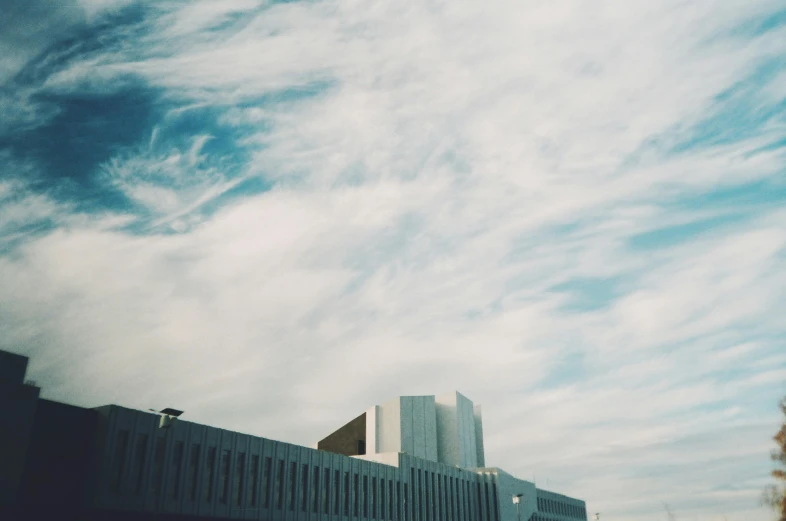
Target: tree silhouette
775, 495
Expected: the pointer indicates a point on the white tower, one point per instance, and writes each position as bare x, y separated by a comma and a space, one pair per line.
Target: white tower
447, 429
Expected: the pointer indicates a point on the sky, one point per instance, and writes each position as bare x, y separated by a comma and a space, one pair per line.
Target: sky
273, 215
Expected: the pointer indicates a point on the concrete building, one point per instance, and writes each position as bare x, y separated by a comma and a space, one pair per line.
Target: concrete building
415, 458
445, 429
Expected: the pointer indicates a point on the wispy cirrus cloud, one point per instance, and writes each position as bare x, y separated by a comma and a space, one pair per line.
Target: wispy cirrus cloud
571, 212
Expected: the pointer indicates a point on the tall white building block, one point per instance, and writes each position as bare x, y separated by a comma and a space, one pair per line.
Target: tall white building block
419, 427
443, 429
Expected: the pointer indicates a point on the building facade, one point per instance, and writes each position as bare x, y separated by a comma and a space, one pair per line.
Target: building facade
411, 459
445, 429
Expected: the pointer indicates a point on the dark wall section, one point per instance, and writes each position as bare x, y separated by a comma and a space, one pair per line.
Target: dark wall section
46, 450
59, 456
17, 412
349, 440
12, 368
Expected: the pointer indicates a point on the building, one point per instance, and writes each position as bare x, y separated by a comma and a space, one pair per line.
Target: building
444, 429
415, 458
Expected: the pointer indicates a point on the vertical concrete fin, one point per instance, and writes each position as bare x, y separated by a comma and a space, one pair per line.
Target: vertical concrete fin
430, 428
481, 458
407, 429
467, 455
448, 449
372, 433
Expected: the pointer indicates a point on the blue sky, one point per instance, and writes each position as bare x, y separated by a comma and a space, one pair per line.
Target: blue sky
275, 214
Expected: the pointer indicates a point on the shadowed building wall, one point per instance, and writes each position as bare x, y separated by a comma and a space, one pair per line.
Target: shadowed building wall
56, 476
18, 403
349, 440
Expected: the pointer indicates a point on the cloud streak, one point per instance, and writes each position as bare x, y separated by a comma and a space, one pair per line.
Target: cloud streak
570, 212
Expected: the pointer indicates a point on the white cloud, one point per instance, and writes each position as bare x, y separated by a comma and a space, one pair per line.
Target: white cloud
204, 14
459, 164
171, 184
